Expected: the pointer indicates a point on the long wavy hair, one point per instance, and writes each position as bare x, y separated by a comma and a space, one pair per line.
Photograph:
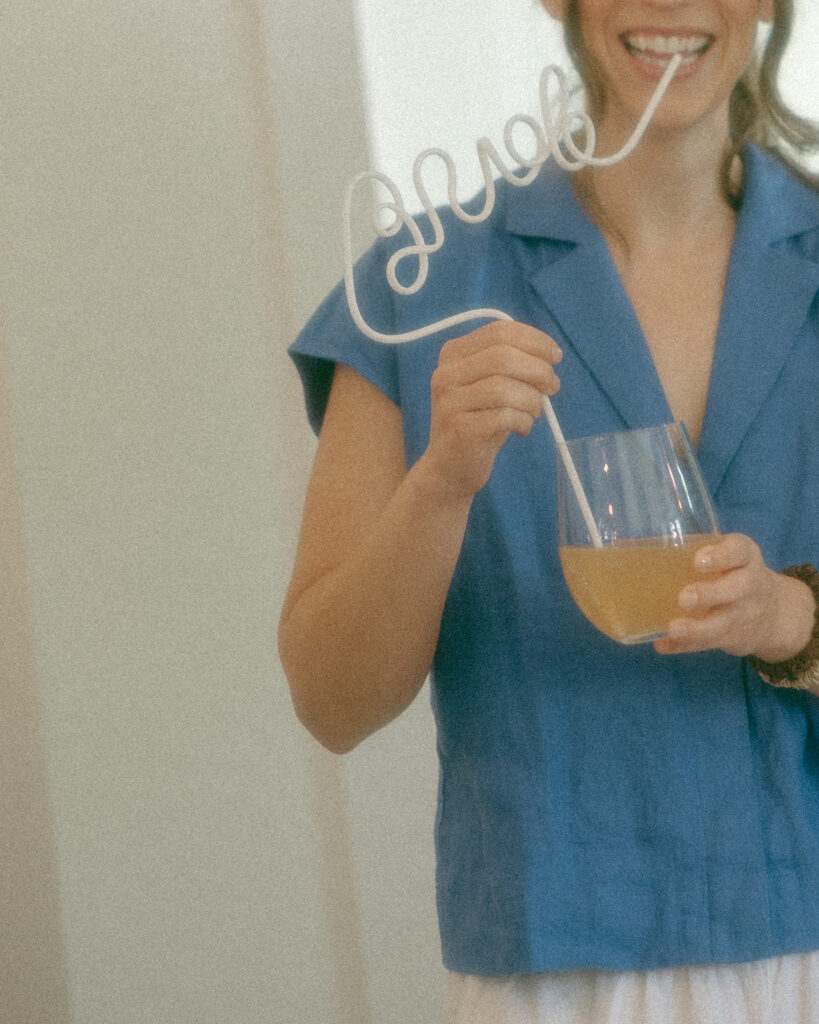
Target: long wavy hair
757, 112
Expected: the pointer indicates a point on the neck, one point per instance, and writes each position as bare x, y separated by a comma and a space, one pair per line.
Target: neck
667, 193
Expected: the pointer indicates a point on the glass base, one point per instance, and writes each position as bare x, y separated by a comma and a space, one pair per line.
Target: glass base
647, 638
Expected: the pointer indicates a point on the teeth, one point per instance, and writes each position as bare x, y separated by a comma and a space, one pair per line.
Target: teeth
667, 44
663, 62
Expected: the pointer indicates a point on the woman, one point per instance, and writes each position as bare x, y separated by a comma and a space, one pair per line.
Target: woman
623, 834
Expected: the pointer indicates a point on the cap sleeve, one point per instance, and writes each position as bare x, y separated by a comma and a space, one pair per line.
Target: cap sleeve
331, 336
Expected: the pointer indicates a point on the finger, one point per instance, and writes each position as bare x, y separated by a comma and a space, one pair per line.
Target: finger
502, 393
732, 586
504, 361
514, 421
504, 332
452, 394
493, 365
687, 635
493, 426
732, 552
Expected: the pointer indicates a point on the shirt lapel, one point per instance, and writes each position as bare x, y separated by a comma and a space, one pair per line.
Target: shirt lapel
770, 287
575, 278
584, 294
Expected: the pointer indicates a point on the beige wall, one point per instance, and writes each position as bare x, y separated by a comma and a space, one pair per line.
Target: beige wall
33, 978
176, 849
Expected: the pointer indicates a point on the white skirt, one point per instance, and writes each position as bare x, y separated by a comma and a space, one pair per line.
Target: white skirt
782, 990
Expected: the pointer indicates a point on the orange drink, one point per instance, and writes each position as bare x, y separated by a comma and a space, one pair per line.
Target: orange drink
629, 589
633, 509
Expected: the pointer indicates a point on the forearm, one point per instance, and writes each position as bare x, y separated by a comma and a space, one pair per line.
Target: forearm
358, 642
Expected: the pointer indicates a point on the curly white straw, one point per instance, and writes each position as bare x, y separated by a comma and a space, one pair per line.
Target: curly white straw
556, 132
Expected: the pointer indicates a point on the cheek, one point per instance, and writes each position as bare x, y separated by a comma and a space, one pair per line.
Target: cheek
747, 15
744, 41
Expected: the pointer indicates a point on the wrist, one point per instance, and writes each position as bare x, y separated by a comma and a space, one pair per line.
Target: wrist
791, 658
791, 628
438, 488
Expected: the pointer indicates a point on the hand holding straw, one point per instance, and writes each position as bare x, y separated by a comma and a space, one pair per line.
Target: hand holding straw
550, 139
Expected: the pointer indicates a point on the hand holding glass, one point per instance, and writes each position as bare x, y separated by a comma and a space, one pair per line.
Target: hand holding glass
653, 512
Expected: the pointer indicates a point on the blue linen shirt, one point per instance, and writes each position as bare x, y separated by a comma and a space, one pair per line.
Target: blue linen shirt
602, 805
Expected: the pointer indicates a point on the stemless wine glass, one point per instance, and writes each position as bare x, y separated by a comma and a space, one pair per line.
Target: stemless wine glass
652, 511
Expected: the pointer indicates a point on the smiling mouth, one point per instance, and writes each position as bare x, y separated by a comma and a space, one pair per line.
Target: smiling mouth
658, 50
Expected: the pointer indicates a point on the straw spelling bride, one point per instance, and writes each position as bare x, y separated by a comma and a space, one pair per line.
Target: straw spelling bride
551, 139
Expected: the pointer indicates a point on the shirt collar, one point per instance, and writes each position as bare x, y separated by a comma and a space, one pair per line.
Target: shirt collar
775, 205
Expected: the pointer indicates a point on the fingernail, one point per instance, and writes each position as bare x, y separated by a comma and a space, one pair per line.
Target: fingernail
688, 599
678, 630
703, 560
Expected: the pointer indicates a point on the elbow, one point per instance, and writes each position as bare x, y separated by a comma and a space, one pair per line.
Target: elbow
323, 724
336, 740
322, 716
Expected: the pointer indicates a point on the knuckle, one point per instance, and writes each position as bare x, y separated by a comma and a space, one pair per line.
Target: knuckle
508, 331
499, 359
518, 421
440, 380
450, 350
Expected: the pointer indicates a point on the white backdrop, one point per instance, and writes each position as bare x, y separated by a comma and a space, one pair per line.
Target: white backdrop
172, 177
444, 74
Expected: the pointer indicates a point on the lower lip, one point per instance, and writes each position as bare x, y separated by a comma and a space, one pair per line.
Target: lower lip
655, 69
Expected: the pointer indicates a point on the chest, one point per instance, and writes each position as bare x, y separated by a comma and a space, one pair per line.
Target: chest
678, 303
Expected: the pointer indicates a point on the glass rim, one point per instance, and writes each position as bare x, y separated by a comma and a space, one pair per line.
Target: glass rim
632, 430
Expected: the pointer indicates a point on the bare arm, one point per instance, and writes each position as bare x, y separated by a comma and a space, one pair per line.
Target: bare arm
376, 554
379, 544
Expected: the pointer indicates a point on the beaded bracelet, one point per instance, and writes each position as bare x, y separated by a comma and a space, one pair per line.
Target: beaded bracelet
801, 672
